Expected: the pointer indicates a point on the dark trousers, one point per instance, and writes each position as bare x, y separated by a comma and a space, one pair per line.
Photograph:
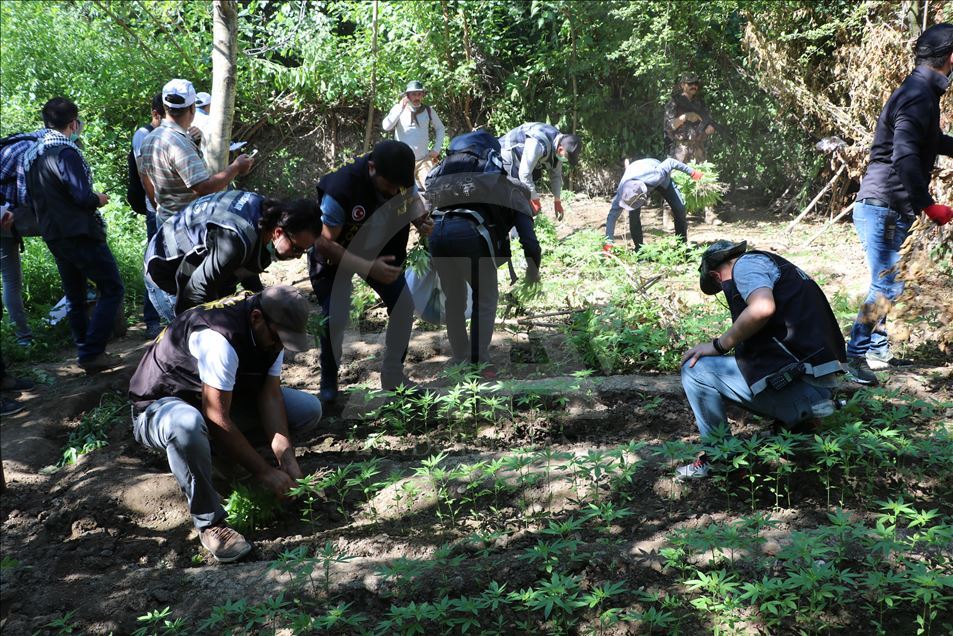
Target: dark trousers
149, 314
79, 258
461, 257
670, 194
333, 289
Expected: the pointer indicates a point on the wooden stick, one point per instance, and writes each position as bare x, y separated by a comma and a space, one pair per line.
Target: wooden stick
837, 218
811, 205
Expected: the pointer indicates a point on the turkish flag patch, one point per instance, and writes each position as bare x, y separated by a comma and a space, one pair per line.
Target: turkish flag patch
358, 213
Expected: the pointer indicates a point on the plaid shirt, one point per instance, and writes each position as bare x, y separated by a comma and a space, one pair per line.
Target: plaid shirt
174, 164
12, 174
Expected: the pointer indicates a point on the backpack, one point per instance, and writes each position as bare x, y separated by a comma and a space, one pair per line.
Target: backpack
135, 192
12, 149
476, 151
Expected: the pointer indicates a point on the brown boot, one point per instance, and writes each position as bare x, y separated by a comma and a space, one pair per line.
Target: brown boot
225, 545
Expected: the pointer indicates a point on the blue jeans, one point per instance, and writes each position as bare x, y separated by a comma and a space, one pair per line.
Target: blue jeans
333, 290
178, 428
162, 301
149, 313
462, 256
674, 200
715, 380
869, 332
79, 258
12, 275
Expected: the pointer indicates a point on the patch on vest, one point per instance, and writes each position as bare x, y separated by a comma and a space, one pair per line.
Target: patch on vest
358, 213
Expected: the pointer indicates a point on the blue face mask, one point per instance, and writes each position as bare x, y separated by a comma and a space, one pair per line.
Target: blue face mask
74, 137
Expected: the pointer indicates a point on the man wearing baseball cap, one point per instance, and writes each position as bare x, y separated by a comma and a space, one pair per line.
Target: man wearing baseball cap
367, 208
171, 166
213, 373
411, 119
788, 346
526, 150
895, 189
638, 181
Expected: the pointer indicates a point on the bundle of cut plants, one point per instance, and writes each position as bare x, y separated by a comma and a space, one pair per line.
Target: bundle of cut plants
701, 194
923, 311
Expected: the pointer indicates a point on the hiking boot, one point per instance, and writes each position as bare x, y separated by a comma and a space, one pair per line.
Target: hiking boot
224, 544
878, 361
99, 363
860, 372
9, 406
698, 469
390, 381
13, 384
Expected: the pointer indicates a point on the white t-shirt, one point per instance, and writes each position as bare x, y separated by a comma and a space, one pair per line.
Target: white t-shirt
218, 361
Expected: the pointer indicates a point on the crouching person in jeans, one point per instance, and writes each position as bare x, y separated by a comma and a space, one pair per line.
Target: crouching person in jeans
205, 379
788, 347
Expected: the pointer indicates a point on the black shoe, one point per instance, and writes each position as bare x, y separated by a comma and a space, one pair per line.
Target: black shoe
328, 394
9, 407
880, 361
11, 383
860, 372
153, 331
102, 362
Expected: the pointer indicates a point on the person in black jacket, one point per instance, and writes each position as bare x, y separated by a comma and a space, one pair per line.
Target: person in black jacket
61, 192
895, 189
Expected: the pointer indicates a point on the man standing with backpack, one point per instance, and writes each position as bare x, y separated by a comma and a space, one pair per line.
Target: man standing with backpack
410, 119
13, 198
60, 186
139, 200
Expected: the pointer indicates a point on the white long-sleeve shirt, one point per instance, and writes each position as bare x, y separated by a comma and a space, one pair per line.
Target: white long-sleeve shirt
533, 153
400, 119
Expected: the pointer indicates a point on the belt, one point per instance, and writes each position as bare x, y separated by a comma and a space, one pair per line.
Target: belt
877, 203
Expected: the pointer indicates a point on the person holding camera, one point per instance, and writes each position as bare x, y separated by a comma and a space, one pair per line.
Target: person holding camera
788, 347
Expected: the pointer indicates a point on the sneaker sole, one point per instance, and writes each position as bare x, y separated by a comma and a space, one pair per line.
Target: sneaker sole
854, 378
231, 559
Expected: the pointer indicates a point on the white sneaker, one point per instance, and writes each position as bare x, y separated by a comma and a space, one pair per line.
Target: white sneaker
698, 469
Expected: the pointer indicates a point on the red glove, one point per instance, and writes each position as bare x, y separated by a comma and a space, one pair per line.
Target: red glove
558, 207
536, 204
696, 175
940, 214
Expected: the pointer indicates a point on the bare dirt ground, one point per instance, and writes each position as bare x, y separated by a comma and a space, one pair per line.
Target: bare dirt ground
109, 537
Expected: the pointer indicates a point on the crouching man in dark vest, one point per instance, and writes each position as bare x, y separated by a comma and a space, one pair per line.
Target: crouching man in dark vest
788, 347
367, 208
212, 373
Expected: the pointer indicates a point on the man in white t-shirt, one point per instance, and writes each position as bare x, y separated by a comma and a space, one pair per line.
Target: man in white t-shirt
410, 119
212, 375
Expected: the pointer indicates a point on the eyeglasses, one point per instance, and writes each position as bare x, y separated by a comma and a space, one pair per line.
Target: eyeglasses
275, 336
296, 250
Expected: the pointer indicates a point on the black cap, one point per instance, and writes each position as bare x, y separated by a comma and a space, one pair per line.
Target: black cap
937, 40
572, 144
394, 160
717, 253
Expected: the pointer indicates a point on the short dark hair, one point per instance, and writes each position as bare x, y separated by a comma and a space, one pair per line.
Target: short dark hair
933, 61
157, 105
394, 160
291, 216
173, 112
59, 112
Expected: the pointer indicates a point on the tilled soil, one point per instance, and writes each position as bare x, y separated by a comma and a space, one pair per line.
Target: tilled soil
109, 537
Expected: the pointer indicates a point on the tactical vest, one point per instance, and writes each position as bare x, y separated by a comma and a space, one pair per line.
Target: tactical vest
58, 215
181, 242
373, 226
803, 328
515, 140
168, 369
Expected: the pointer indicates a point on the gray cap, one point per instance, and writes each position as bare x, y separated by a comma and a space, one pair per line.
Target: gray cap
287, 312
633, 194
717, 253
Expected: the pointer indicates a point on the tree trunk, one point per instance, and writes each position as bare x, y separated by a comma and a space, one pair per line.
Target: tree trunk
368, 131
224, 55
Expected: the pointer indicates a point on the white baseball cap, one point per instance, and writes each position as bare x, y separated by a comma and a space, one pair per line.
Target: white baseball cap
202, 99
182, 88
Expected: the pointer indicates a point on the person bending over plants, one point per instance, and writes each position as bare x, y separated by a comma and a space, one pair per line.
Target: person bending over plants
788, 347
212, 374
638, 181
222, 239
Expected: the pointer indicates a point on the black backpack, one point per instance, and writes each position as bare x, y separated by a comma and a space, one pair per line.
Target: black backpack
476, 151
135, 192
